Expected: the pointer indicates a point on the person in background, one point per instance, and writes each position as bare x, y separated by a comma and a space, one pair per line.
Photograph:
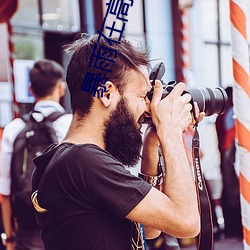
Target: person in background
2, 247
225, 125
48, 86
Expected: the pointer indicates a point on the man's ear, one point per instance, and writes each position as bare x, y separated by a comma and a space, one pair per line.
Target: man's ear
31, 90
62, 87
108, 94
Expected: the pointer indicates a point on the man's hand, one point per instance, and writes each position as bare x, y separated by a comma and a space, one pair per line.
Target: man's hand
199, 115
171, 115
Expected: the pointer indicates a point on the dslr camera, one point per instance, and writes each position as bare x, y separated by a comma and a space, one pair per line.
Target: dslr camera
210, 101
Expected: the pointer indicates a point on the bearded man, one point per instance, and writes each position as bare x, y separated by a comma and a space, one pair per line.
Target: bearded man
84, 196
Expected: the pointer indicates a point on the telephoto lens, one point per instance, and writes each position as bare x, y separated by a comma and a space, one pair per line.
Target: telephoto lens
210, 101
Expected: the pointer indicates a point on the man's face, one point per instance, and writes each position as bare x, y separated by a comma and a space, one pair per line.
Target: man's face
122, 131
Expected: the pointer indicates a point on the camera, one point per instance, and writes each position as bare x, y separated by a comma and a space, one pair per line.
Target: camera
210, 101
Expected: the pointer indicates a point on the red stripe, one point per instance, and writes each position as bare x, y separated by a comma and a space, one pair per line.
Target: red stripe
244, 187
243, 135
238, 18
241, 77
246, 234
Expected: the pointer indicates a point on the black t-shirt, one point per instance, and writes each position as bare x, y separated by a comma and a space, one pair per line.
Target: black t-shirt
88, 194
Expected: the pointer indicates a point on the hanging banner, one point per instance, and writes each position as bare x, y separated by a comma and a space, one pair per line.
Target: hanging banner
7, 9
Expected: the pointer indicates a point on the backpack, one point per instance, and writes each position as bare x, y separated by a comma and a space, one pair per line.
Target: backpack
37, 135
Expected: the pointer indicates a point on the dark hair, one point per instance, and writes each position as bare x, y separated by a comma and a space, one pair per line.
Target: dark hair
44, 76
128, 57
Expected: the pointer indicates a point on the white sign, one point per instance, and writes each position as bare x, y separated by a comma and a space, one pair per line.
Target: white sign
5, 103
22, 81
5, 92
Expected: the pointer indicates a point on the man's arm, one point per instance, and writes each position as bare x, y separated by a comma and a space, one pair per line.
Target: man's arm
7, 220
175, 211
9, 134
149, 166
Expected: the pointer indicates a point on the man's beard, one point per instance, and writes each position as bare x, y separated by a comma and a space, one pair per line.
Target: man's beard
122, 138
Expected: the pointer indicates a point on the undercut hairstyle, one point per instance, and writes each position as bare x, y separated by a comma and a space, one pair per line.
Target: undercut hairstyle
44, 76
128, 57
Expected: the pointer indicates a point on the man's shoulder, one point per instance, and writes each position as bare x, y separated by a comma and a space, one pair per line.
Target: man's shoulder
16, 123
94, 155
69, 156
90, 150
13, 128
80, 151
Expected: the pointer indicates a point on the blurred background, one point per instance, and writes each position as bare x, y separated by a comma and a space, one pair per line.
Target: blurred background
191, 37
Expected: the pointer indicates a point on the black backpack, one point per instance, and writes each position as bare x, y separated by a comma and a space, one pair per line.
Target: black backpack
29, 143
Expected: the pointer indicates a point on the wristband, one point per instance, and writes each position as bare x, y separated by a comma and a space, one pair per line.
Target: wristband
152, 180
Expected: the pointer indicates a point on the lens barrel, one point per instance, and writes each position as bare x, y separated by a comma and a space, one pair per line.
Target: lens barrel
210, 101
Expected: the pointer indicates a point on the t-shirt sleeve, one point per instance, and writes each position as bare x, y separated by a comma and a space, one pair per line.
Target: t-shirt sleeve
10, 133
108, 184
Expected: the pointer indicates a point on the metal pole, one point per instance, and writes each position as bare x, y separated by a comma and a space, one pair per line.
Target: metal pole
87, 16
40, 12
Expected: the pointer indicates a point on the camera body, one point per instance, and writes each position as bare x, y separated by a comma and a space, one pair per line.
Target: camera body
210, 101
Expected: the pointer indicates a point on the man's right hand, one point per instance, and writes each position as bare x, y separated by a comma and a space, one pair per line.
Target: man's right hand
172, 114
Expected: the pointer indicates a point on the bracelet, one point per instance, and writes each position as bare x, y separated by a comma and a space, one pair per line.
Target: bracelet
152, 180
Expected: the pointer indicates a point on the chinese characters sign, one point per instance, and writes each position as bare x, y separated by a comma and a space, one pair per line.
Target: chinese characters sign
102, 58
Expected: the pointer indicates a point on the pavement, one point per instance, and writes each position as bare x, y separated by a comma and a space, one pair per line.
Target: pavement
223, 244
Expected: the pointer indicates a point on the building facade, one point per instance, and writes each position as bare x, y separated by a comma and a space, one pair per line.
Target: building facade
195, 39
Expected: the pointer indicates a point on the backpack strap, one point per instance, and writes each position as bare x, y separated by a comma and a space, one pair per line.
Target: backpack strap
51, 118
44, 123
54, 116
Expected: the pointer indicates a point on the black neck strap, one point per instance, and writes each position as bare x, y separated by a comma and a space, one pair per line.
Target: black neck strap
205, 238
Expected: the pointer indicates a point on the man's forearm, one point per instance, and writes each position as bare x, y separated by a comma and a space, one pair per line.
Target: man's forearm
179, 183
7, 215
149, 166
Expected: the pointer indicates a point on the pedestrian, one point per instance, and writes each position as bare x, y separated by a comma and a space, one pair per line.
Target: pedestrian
23, 139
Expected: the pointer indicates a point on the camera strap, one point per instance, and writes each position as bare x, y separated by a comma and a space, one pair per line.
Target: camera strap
205, 238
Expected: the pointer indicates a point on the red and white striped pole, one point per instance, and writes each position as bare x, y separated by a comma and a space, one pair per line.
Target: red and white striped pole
15, 106
241, 95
